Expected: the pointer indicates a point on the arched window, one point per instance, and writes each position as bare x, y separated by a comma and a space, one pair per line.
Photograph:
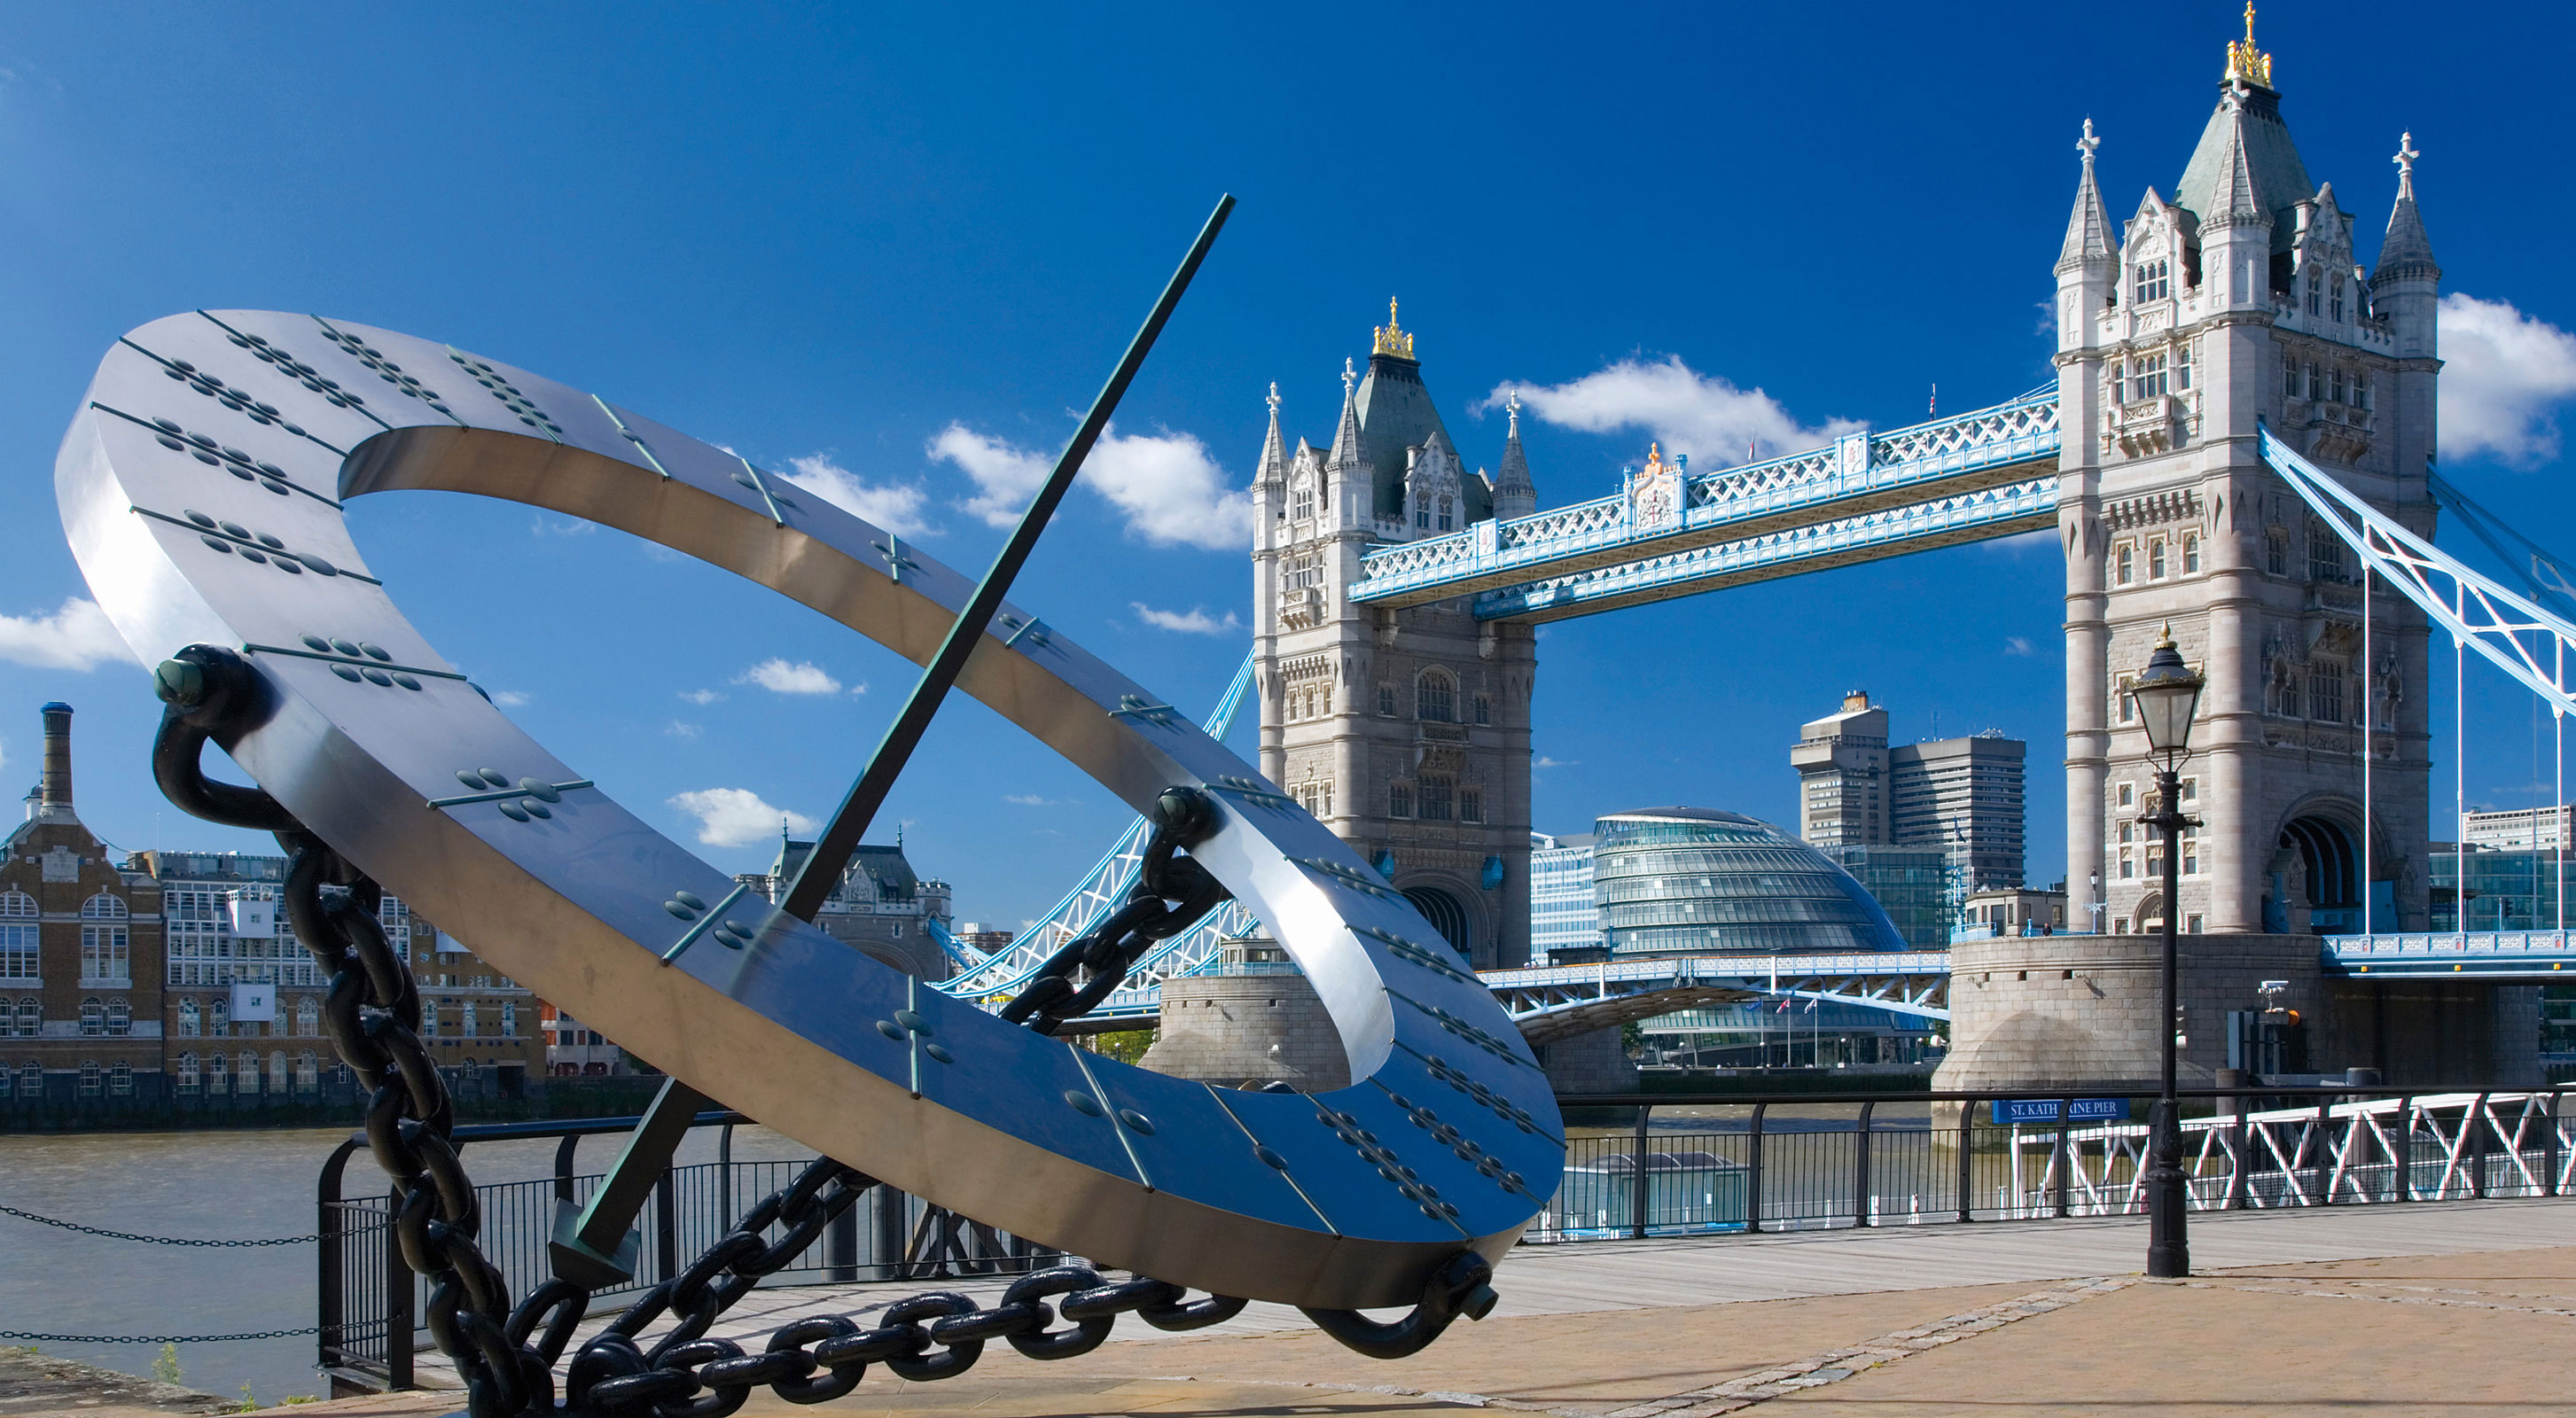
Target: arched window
189, 1080
308, 1073
2128, 563
2156, 559
103, 947
308, 1016
277, 1071
1484, 710
31, 1080
17, 904
467, 1025
219, 1073
93, 1016
93, 1079
2190, 552
31, 1017
120, 1016
103, 907
223, 1017
1435, 697
120, 1079
190, 1022
1438, 797
8, 1080
1422, 512
1446, 514
21, 956
246, 1068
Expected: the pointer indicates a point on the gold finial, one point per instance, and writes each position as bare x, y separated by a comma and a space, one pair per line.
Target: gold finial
1392, 340
2166, 640
2244, 61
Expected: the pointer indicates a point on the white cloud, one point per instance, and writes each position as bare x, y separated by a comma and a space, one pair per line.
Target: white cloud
1703, 415
1543, 761
702, 696
2018, 646
2504, 376
509, 698
565, 527
1165, 485
737, 817
1027, 800
1194, 621
897, 507
681, 730
75, 637
779, 677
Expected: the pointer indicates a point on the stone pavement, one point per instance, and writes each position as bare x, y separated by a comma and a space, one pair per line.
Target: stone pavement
2431, 1310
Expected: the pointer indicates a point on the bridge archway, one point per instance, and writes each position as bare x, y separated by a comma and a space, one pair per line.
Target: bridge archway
2323, 844
1450, 917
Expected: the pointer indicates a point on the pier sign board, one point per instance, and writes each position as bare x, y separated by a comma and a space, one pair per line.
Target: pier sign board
2045, 1110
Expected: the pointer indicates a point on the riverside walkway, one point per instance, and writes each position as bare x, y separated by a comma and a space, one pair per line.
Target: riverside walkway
2415, 1310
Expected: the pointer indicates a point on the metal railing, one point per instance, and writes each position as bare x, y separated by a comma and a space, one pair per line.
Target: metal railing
371, 1306
1719, 1163
1711, 1164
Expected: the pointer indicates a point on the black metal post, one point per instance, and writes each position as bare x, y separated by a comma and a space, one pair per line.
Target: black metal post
666, 1224
1967, 1158
2061, 1157
2406, 1163
333, 1230
398, 1297
1637, 1186
2325, 1151
840, 837
1862, 1213
888, 1253
2168, 1247
2475, 1122
2549, 1149
1753, 1174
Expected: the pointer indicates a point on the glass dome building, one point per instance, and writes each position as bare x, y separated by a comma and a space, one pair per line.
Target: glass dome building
1697, 881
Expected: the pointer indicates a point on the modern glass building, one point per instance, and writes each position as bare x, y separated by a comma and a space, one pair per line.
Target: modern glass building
2508, 891
1911, 884
1687, 880
1565, 920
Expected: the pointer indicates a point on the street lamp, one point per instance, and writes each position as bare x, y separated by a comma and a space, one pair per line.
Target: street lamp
2166, 697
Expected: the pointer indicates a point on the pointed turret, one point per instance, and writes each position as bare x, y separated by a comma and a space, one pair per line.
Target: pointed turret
2246, 165
2406, 253
2088, 231
1350, 453
1274, 449
1514, 494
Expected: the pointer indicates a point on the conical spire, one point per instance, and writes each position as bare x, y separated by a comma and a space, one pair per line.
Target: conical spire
2233, 199
1274, 449
2407, 252
1348, 452
1514, 494
2088, 231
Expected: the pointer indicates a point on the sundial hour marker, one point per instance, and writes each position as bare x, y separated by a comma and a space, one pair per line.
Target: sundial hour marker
1143, 710
633, 437
891, 549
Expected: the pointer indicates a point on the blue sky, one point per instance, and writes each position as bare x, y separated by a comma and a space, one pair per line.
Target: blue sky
899, 248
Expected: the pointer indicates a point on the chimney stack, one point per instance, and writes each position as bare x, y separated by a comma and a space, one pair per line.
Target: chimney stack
56, 804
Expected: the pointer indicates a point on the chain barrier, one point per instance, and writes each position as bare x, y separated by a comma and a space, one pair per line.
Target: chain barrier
33, 1338
506, 1356
1172, 893
153, 1240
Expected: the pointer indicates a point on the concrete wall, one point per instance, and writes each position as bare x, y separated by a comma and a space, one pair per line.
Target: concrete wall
1597, 1062
1235, 1029
2050, 1011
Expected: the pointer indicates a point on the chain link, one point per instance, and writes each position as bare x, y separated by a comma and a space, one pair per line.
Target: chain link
1172, 893
33, 1338
153, 1240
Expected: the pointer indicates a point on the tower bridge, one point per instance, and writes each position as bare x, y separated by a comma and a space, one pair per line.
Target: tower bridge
2237, 444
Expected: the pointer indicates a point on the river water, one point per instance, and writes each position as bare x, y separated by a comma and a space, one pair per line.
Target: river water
208, 1185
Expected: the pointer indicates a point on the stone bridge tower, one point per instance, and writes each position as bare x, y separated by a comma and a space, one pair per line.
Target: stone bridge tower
1406, 731
2236, 303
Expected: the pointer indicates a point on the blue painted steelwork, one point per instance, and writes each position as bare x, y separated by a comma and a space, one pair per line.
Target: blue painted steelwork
1845, 482
2518, 955
1559, 1001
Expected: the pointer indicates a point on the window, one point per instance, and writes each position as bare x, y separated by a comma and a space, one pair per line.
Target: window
31, 1017
246, 1069
509, 1019
2191, 790
466, 1024
120, 1079
1446, 514
2190, 856
2128, 714
223, 1017
1386, 701
93, 1079
31, 1080
2316, 386
2325, 553
429, 1019
1301, 500
2156, 560
2334, 299
93, 1017
20, 945
2128, 791
103, 956
2276, 552
189, 1081
2128, 864
2289, 379
2316, 294
1422, 513
2128, 563
2128, 832
2191, 924
2190, 553
2289, 696
2146, 377
2334, 384
1399, 800
1471, 804
1435, 698
1439, 797
277, 1071
1484, 710
2154, 281
308, 1073
2360, 389
308, 1016
2325, 693
2182, 367
103, 907
120, 1016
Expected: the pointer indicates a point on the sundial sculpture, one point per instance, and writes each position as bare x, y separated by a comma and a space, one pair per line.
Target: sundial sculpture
202, 486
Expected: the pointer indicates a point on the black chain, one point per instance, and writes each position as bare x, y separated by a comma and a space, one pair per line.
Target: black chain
1172, 893
33, 1338
151, 1240
372, 1011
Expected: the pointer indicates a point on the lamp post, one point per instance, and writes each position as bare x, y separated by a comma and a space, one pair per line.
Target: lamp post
2166, 696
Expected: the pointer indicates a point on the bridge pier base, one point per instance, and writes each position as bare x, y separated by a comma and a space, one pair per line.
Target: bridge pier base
2066, 1011
1597, 1062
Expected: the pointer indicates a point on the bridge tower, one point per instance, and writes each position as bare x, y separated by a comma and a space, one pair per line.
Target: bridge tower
2235, 303
1406, 731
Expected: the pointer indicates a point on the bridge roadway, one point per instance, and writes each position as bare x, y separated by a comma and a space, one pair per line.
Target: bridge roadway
1864, 497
